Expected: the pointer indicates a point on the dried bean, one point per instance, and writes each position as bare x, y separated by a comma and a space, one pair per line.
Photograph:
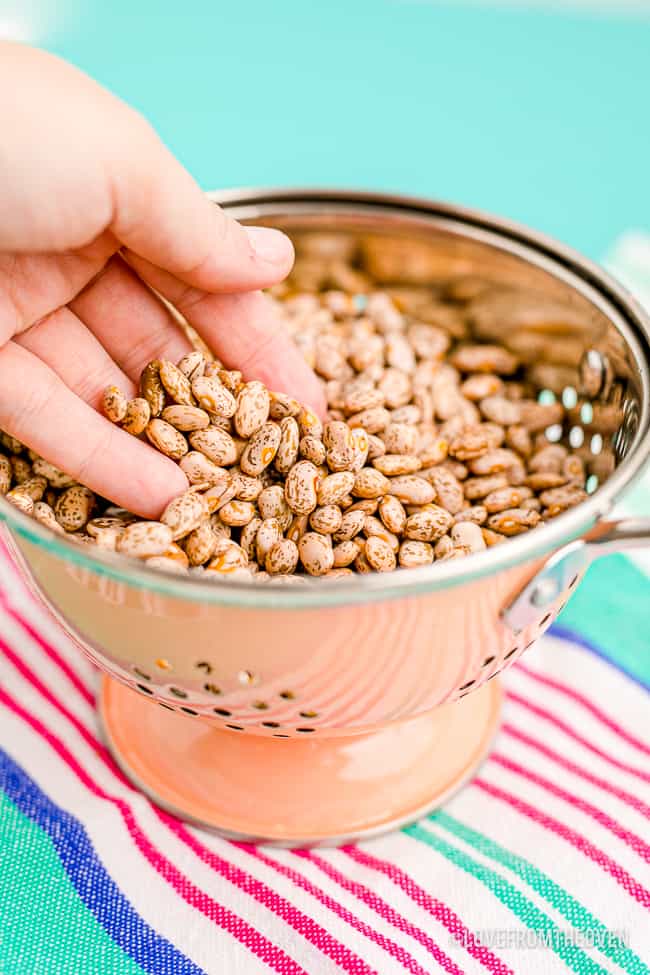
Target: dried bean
392, 513
152, 388
201, 543
313, 449
74, 507
176, 384
261, 449
237, 513
114, 404
191, 365
370, 483
44, 514
513, 521
380, 555
352, 523
413, 554
228, 557
469, 535
448, 489
143, 539
166, 439
186, 418
316, 553
282, 558
503, 498
137, 416
199, 470
301, 486
476, 513
428, 525
326, 520
392, 464
252, 408
345, 553
217, 445
213, 397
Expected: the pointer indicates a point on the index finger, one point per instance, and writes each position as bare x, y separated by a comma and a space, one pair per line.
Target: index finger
161, 213
245, 332
38, 409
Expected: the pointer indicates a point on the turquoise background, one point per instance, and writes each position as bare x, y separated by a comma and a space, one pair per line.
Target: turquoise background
541, 116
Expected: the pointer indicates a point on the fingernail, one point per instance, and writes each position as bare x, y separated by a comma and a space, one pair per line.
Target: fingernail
270, 245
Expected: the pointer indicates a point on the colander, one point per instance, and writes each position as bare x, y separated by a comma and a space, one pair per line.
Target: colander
315, 714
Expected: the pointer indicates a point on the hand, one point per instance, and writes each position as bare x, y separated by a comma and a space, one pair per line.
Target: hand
93, 209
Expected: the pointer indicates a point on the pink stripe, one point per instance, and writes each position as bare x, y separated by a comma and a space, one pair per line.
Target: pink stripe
574, 695
603, 784
635, 889
393, 949
260, 946
50, 651
432, 905
312, 931
384, 910
45, 645
28, 674
568, 730
627, 836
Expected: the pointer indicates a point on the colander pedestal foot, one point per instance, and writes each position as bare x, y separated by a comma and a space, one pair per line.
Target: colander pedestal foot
298, 791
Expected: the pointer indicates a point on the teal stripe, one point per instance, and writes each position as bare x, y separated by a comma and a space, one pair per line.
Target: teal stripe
578, 915
524, 909
607, 609
44, 926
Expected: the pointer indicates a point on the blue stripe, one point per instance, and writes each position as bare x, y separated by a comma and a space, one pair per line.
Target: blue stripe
87, 874
572, 636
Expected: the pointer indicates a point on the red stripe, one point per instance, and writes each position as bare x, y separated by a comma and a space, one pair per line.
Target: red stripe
621, 876
627, 836
240, 929
312, 931
49, 650
432, 905
384, 910
345, 959
393, 949
603, 784
553, 719
579, 698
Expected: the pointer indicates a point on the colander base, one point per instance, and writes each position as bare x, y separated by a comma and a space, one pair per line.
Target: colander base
298, 792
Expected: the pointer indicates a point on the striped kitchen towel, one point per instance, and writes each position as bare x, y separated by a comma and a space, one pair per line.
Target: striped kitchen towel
540, 865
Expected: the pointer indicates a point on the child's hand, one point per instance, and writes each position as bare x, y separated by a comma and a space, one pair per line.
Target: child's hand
83, 176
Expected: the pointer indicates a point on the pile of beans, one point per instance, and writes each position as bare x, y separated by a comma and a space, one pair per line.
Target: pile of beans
434, 448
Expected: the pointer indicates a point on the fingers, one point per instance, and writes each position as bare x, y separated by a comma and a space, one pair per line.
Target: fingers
66, 345
244, 331
161, 214
130, 322
39, 409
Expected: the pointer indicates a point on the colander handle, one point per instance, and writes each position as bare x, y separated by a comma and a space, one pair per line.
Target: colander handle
563, 569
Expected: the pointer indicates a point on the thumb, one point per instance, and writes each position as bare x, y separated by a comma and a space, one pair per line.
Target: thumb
100, 166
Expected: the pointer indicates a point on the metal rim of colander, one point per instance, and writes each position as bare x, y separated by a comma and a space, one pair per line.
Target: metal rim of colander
584, 276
